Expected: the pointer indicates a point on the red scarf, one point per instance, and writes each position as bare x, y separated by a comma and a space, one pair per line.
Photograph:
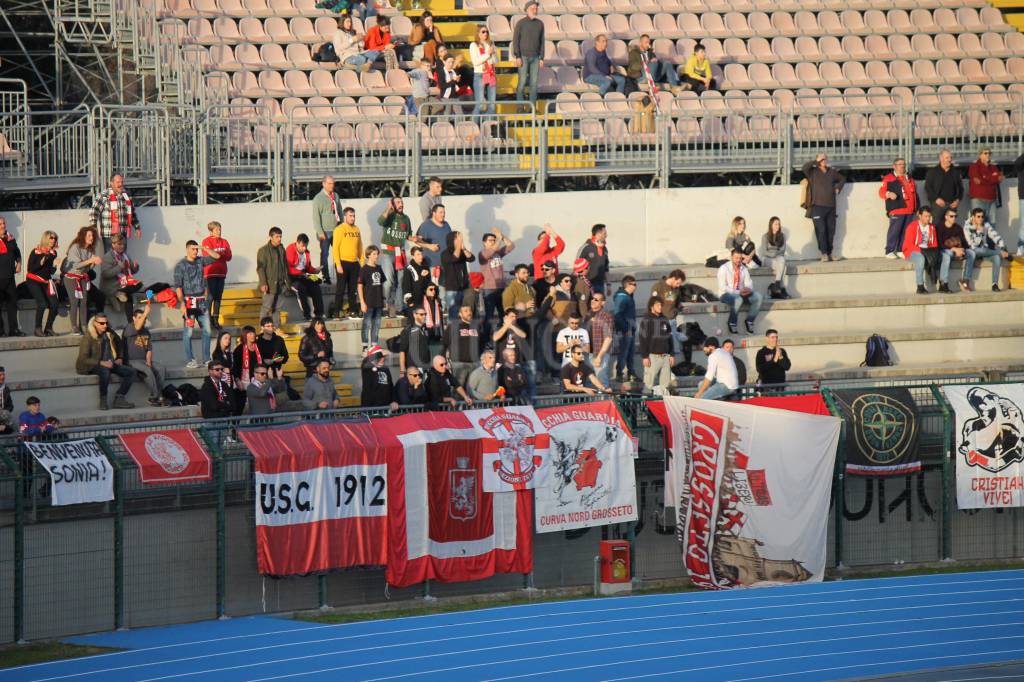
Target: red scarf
433, 310
50, 288
3, 243
322, 335
334, 206
82, 283
246, 377
115, 217
125, 279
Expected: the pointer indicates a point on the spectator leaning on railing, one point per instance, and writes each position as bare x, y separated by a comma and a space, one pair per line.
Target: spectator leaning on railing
32, 422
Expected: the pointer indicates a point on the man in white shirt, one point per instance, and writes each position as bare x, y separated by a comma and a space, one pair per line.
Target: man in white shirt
735, 287
573, 335
721, 379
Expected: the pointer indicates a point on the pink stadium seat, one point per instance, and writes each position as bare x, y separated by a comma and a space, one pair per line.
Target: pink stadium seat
761, 50
251, 30
882, 127
567, 103
901, 94
713, 25
270, 106
854, 47
665, 25
244, 84
686, 130
761, 76
715, 51
282, 8
347, 83
370, 108
345, 107
549, 7
969, 19
736, 77
326, 84
878, 47
1015, 65
713, 130
319, 108
326, 27
830, 23
594, 25
373, 82
618, 52
640, 24
807, 23
1014, 43
272, 84
569, 52
785, 75
616, 102
807, 128
344, 136
925, 73
902, 72
761, 24
949, 95
552, 31
273, 56
736, 50
248, 55
394, 105
222, 57
206, 8
233, 8
401, 26
760, 100
241, 107
277, 29
563, 78
855, 74
684, 48
393, 135
297, 83
600, 6
807, 100
181, 9
200, 31
996, 70
877, 23
990, 45
918, 46
577, 7
853, 22
784, 24
499, 27
303, 30
714, 101
947, 71
618, 27
664, 50
368, 134
299, 55
591, 102
294, 109
899, 22
572, 27
808, 74
806, 47
925, 96
398, 82
973, 72
736, 24
690, 26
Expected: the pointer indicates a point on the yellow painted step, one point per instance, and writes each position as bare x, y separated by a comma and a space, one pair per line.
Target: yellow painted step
558, 135
1017, 275
1007, 4
1015, 20
458, 31
235, 294
582, 160
351, 401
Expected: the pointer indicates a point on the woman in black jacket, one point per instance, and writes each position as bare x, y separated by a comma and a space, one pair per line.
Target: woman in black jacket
454, 272
316, 345
223, 354
39, 281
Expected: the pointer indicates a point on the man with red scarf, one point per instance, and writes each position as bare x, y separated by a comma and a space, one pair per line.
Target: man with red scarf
595, 252
10, 265
113, 213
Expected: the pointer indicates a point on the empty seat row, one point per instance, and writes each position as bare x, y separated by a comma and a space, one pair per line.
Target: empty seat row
484, 7
302, 110
274, 30
369, 137
321, 83
188, 9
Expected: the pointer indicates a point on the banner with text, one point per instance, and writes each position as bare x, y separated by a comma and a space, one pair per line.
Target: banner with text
753, 501
989, 434
79, 470
165, 457
515, 447
881, 431
590, 480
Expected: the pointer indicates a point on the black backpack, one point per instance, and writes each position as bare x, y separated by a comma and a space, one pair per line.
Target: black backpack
189, 394
394, 344
877, 352
326, 53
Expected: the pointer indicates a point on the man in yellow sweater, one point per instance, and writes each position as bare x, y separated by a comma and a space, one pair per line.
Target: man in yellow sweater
697, 71
347, 249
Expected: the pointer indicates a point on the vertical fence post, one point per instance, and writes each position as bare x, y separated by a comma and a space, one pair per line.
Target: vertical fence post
102, 441
838, 478
947, 474
19, 543
213, 445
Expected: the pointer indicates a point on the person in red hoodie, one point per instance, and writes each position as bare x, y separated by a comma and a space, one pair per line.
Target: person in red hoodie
379, 45
304, 277
216, 272
984, 179
900, 194
921, 248
549, 247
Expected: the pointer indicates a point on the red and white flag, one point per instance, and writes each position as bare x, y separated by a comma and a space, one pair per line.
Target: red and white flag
442, 525
515, 447
165, 457
321, 497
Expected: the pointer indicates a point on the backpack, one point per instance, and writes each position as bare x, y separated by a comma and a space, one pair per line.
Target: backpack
189, 394
326, 53
171, 396
394, 344
877, 352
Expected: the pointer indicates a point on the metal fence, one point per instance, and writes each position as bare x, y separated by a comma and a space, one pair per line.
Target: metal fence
158, 555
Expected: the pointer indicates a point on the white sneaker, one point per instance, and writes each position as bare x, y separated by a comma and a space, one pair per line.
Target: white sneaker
192, 364
891, 254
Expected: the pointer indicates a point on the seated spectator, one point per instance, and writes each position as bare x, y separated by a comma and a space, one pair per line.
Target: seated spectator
316, 346
601, 326
625, 330
655, 343
734, 287
697, 71
953, 243
512, 376
425, 37
100, 353
454, 271
920, 247
772, 361
462, 344
224, 354
246, 359
348, 46
273, 352
370, 290
39, 279
662, 73
411, 389
32, 422
378, 40
729, 346
216, 272
304, 277
442, 387
77, 267
6, 405
986, 242
574, 335
492, 267
773, 248
721, 379
482, 382
319, 391
216, 396
739, 240
415, 278
378, 388
577, 374
598, 68
138, 353
266, 393
549, 247
414, 343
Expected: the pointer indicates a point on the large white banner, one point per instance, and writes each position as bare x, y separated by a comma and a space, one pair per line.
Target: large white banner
989, 436
590, 480
79, 470
754, 492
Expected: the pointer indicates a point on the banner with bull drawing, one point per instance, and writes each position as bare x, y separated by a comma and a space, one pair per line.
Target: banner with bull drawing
589, 479
754, 492
989, 435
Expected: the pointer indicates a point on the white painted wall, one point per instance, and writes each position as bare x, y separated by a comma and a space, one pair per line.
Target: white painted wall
645, 226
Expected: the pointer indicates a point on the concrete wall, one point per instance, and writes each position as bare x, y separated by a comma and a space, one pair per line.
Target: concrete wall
645, 226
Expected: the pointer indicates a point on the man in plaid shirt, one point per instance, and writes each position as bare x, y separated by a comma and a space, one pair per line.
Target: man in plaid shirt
113, 213
602, 332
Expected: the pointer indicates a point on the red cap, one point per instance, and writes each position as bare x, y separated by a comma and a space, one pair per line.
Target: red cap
476, 279
373, 350
580, 266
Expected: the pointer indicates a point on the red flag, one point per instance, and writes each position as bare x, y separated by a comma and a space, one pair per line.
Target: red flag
168, 456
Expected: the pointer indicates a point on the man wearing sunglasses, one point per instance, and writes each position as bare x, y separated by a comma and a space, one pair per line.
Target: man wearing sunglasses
413, 344
442, 386
410, 389
577, 374
216, 397
99, 353
266, 393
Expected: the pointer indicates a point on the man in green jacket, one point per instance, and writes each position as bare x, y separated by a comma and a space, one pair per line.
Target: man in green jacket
396, 231
661, 72
99, 353
326, 216
272, 269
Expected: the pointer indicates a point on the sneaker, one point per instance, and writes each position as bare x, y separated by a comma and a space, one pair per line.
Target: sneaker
995, 287
964, 285
733, 329
944, 289
749, 326
824, 259
121, 403
103, 403
834, 258
891, 254
355, 316
192, 364
121, 297
921, 289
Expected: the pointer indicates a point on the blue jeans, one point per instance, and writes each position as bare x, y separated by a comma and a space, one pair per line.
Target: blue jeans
947, 259
917, 260
371, 326
717, 391
997, 262
988, 206
626, 361
604, 371
615, 81
126, 373
483, 92
325, 257
391, 286
186, 336
662, 72
452, 301
363, 57
735, 302
528, 72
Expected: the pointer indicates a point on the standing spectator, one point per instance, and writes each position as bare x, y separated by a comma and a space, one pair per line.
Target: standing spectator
729, 346
661, 72
920, 247
326, 216
823, 184
442, 386
485, 79
697, 71
549, 247
420, 82
624, 312
734, 287
482, 382
492, 266
953, 242
117, 276
304, 277
454, 272
272, 270
549, 278
772, 361
266, 393
396, 230
986, 242
560, 303
739, 240
319, 391
316, 346
519, 295
435, 320
410, 388
32, 422
577, 374
371, 296
414, 343
595, 252
655, 341
425, 37
574, 335
415, 278
433, 236
668, 290
100, 353
773, 249
216, 397
39, 279
190, 286
431, 198
378, 388
6, 404
462, 344
273, 351
602, 330
511, 375
598, 68
10, 265
512, 336
113, 212
138, 352
78, 265
348, 259
216, 272
721, 379
943, 185
528, 48
984, 177
582, 288
900, 193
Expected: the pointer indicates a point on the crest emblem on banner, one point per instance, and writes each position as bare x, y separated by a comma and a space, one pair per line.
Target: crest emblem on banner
993, 439
171, 457
463, 503
516, 463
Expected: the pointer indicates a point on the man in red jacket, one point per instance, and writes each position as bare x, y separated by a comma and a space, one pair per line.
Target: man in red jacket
900, 194
304, 277
549, 247
984, 179
217, 271
920, 243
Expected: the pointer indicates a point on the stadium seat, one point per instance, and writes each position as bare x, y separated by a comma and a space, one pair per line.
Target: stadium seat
947, 71
805, 47
618, 27
640, 24
273, 56
690, 26
299, 55
807, 73
303, 30
972, 71
737, 25
277, 29
785, 75
854, 48
665, 26
328, 85
222, 57
348, 83
282, 8
736, 50
761, 77
294, 109
567, 103
569, 52
572, 28
761, 24
273, 84
499, 27
618, 52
